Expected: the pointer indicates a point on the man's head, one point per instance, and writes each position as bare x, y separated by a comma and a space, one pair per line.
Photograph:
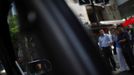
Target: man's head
117, 31
113, 31
120, 29
101, 32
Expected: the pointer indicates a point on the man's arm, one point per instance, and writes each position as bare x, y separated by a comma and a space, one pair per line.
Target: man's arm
122, 41
110, 41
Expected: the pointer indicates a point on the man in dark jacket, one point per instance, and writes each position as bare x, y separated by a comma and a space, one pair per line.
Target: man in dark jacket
124, 41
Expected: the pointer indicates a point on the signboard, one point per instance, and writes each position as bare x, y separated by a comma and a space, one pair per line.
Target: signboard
102, 1
99, 1
83, 2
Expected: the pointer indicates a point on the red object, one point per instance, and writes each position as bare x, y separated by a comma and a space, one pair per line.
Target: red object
128, 22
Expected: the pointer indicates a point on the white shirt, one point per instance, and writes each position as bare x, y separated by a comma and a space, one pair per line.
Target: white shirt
104, 40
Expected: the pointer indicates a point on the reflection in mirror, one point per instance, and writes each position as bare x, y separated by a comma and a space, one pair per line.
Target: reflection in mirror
40, 67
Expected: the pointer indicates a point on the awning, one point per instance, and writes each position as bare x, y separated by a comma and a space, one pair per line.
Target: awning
114, 22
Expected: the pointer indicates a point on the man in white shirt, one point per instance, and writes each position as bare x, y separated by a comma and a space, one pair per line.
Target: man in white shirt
104, 43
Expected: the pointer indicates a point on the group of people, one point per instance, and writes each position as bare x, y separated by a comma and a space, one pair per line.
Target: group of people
121, 41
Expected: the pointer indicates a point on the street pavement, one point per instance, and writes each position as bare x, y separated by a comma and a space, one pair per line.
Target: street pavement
123, 73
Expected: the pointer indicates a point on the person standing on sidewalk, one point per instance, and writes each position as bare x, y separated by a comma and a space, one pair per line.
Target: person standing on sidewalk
105, 43
124, 41
121, 60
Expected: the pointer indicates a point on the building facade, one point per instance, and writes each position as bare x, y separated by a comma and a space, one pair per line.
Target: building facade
102, 12
126, 8
79, 10
111, 11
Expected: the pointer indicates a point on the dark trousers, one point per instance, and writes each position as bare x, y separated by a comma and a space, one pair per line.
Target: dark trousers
128, 55
131, 44
107, 51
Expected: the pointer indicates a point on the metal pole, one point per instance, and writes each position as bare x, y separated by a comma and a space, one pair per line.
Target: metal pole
94, 12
